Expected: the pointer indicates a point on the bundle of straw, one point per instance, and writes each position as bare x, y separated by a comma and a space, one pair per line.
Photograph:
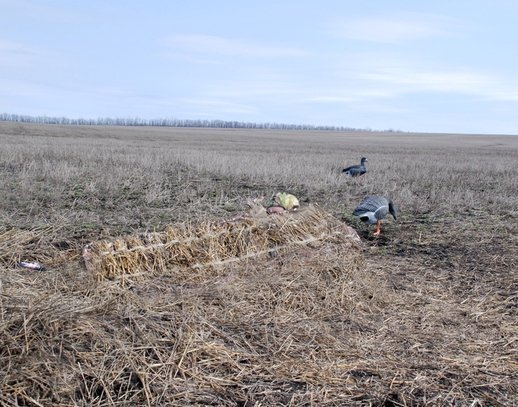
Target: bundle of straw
211, 244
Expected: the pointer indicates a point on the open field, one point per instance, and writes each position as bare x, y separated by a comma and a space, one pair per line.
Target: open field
426, 314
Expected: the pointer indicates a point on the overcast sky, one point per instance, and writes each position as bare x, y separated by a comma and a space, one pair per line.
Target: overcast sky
429, 66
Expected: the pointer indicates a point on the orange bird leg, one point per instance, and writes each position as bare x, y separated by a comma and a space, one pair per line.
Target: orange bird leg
378, 228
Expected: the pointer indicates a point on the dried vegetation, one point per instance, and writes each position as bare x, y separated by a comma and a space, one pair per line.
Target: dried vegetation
183, 306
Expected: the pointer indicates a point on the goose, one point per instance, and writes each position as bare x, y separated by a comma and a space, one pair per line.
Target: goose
357, 170
373, 209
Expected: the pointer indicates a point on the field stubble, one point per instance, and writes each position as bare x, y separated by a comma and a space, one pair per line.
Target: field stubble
429, 318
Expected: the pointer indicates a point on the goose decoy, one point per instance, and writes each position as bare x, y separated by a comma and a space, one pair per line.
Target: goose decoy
357, 170
373, 209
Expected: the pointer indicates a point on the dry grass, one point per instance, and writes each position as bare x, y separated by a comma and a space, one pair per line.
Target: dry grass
214, 244
423, 315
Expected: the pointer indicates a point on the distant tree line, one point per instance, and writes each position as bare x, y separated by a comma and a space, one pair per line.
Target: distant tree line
217, 124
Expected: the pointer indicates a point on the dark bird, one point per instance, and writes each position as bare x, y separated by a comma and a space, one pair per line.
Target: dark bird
373, 209
357, 170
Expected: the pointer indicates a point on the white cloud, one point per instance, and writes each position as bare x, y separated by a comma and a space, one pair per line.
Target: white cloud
211, 45
14, 54
380, 77
406, 27
10, 88
49, 12
351, 95
217, 106
423, 80
408, 80
255, 87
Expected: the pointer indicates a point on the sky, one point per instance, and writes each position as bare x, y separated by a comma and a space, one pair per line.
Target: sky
447, 66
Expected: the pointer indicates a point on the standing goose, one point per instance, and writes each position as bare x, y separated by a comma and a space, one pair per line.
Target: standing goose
373, 209
357, 170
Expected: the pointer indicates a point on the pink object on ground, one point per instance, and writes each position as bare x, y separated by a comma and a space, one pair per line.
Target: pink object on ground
275, 210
